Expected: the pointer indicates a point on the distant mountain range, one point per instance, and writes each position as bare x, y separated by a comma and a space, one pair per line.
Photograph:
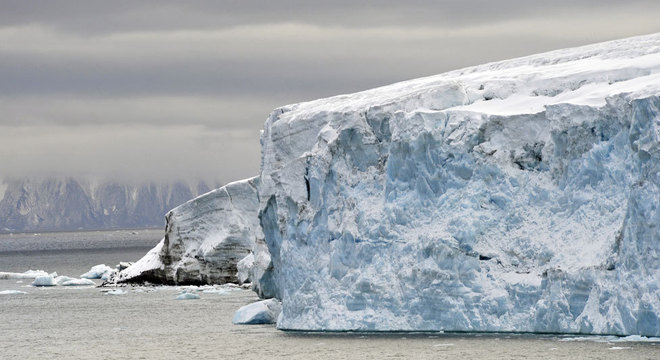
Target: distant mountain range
55, 204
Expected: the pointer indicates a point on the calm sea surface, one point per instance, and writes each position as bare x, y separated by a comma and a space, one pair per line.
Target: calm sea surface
148, 323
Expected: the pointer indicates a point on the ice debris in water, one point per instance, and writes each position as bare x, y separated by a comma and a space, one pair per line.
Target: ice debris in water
46, 280
78, 282
30, 274
220, 291
260, 312
116, 292
101, 271
12, 292
62, 279
187, 296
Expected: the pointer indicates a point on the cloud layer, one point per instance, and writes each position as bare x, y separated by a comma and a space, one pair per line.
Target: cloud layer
167, 89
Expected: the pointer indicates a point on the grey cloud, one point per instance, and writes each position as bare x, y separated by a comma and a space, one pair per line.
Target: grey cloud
302, 74
129, 152
172, 89
113, 16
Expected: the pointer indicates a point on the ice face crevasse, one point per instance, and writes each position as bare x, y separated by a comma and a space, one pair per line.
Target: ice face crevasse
520, 195
204, 240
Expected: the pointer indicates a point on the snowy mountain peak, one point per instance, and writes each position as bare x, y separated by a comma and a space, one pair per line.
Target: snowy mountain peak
49, 203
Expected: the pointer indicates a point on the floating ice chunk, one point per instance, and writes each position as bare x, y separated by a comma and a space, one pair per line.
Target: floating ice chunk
47, 280
12, 292
244, 267
261, 312
30, 274
97, 272
637, 338
220, 291
187, 296
116, 292
62, 279
78, 282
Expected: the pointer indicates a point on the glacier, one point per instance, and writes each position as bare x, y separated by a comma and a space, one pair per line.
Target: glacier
519, 195
204, 239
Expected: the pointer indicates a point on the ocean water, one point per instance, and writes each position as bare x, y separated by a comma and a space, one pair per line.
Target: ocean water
148, 323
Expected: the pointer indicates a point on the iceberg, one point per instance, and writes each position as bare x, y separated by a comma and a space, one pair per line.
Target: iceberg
204, 239
98, 272
260, 312
30, 274
12, 292
59, 280
78, 282
47, 280
519, 195
116, 292
187, 296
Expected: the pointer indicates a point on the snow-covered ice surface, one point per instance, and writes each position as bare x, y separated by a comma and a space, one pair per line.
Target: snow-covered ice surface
205, 238
260, 312
520, 195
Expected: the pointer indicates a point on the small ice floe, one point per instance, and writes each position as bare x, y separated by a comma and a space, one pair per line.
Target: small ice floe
30, 274
47, 280
620, 348
637, 338
98, 272
260, 312
594, 338
78, 282
220, 290
12, 292
612, 338
62, 279
187, 296
116, 292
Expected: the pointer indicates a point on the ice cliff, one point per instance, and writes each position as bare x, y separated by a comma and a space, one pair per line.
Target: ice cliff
521, 195
204, 239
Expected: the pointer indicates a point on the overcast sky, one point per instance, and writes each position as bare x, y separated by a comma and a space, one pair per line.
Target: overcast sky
165, 90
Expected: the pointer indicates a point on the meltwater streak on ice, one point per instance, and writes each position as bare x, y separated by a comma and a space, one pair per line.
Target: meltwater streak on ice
513, 196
